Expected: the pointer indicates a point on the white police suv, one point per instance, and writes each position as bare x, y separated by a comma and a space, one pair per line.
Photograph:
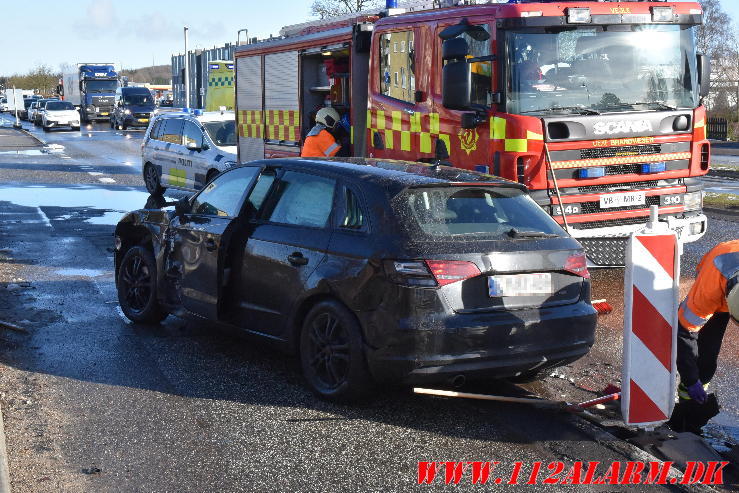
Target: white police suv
188, 148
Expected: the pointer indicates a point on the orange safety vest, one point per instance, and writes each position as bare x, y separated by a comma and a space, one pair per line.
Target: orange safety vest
707, 296
319, 143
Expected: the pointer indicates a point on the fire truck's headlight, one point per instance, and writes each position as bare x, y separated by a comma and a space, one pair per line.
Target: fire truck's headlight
578, 15
693, 201
662, 14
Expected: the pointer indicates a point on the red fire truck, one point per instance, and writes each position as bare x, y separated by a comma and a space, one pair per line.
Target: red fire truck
594, 106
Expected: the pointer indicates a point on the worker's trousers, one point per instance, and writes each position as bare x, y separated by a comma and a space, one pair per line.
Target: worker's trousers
709, 340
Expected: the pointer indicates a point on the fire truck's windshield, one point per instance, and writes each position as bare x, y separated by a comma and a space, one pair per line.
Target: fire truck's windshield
101, 85
616, 68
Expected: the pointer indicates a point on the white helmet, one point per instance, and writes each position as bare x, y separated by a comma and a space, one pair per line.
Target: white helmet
328, 117
732, 299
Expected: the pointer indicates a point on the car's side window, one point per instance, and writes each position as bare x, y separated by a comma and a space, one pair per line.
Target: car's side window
224, 195
191, 134
354, 217
172, 132
155, 130
261, 189
303, 200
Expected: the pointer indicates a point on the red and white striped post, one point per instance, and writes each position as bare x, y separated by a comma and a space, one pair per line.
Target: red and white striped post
651, 293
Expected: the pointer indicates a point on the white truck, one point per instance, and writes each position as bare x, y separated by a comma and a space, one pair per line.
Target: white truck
91, 87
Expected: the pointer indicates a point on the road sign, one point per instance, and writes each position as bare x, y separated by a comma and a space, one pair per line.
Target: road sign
651, 293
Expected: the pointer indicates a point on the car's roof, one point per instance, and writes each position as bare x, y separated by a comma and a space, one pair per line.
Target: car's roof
385, 172
204, 117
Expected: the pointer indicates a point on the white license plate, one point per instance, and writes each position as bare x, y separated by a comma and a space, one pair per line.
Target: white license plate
520, 285
622, 199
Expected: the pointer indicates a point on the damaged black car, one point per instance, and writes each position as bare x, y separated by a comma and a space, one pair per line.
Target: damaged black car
369, 270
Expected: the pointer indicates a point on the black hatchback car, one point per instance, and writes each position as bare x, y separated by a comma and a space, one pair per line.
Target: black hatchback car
371, 271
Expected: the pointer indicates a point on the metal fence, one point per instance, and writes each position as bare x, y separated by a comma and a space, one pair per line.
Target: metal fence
198, 60
718, 129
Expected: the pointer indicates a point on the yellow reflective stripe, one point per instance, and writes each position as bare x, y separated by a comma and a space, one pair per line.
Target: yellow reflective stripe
445, 138
533, 135
388, 139
405, 140
351, 134
177, 177
497, 129
621, 160
425, 142
380, 120
434, 123
369, 119
700, 124
516, 145
416, 122
397, 120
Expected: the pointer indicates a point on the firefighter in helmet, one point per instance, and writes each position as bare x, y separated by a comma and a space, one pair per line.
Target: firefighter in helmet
320, 141
703, 317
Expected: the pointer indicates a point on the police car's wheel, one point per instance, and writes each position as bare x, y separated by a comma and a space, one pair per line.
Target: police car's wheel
151, 180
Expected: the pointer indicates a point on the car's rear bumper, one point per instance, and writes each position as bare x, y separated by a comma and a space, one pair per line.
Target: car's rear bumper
485, 345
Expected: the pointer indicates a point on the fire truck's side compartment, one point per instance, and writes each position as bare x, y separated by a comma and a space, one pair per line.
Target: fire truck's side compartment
282, 104
249, 107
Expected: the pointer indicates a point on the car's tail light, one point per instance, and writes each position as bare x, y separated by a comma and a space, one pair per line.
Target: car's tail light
451, 271
577, 264
430, 273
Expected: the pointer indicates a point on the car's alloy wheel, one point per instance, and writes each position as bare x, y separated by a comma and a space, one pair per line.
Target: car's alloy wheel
151, 180
331, 353
137, 292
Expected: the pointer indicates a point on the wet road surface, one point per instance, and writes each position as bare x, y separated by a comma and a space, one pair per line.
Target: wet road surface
94, 403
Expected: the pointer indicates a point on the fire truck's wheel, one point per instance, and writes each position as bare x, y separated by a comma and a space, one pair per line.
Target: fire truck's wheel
151, 180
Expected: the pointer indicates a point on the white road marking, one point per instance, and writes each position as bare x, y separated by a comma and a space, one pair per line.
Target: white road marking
95, 173
106, 180
44, 217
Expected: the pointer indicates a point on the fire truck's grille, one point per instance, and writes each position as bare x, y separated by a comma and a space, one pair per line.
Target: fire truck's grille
605, 251
623, 151
624, 169
608, 224
594, 207
637, 185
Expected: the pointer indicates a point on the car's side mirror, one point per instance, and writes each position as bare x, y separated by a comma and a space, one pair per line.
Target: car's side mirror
182, 207
704, 74
193, 146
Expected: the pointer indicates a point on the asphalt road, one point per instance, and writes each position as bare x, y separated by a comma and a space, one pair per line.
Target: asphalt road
94, 403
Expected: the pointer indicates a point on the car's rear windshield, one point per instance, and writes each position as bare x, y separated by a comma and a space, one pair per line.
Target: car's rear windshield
477, 212
59, 106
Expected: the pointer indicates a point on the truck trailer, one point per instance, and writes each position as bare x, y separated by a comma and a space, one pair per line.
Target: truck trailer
91, 87
595, 106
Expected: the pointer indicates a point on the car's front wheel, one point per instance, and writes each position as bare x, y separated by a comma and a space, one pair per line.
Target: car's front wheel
332, 354
137, 287
152, 181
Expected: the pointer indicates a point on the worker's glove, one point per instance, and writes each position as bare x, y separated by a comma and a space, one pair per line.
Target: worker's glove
697, 392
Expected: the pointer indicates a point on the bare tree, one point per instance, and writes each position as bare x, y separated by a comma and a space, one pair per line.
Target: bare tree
717, 38
331, 8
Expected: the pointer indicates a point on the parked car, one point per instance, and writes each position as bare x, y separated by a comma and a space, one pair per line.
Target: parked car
3, 105
60, 114
134, 107
23, 114
371, 271
39, 112
32, 111
185, 150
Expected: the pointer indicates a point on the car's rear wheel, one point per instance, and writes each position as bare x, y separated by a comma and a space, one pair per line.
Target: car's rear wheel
137, 287
332, 355
151, 180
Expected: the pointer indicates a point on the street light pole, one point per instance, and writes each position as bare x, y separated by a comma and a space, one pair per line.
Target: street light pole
187, 73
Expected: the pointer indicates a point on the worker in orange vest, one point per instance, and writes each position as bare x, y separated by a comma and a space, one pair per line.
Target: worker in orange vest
703, 317
320, 141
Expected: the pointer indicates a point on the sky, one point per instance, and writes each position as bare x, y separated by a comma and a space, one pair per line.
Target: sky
139, 33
